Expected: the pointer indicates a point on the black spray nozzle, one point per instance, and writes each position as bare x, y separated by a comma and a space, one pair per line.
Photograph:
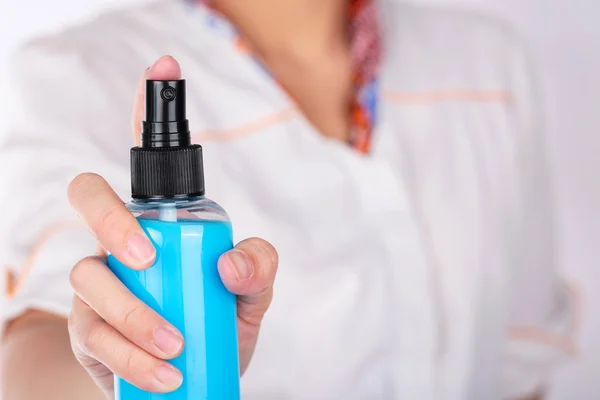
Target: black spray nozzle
165, 124
166, 165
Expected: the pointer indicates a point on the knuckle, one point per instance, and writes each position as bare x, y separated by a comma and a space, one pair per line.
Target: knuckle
134, 315
128, 364
253, 311
95, 337
263, 299
79, 272
137, 369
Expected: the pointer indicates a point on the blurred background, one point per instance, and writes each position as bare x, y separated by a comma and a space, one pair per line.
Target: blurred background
565, 40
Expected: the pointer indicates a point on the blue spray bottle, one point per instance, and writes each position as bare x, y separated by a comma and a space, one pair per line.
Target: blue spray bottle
189, 232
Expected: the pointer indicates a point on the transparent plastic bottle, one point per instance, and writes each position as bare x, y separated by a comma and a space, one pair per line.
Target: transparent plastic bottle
189, 233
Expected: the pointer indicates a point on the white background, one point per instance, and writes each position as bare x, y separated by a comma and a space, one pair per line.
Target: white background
565, 38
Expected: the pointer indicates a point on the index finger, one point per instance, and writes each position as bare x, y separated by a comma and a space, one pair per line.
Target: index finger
110, 221
98, 205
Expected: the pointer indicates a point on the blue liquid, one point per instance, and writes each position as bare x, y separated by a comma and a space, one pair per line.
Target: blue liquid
184, 287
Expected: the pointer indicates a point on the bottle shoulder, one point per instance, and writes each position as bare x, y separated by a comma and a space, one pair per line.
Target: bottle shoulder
187, 209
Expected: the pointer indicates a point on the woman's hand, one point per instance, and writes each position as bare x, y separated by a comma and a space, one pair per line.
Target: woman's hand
113, 331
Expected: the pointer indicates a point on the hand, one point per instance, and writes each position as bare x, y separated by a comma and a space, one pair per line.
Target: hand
113, 331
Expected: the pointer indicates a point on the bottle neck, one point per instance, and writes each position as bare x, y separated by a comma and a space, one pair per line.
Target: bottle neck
180, 200
168, 209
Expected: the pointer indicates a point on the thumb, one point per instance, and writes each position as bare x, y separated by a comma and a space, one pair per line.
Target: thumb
165, 68
249, 272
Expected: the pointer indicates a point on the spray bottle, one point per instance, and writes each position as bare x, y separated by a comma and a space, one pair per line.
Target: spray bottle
190, 232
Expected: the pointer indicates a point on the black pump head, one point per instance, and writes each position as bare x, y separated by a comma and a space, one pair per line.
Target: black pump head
165, 124
166, 165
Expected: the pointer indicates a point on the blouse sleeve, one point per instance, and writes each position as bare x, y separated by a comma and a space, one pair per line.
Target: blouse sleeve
60, 116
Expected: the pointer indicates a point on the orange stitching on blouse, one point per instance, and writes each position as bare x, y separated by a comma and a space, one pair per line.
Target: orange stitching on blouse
522, 333
247, 129
564, 342
401, 97
437, 96
14, 284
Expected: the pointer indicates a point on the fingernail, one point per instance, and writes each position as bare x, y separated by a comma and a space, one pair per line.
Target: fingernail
157, 61
140, 248
167, 340
168, 376
242, 265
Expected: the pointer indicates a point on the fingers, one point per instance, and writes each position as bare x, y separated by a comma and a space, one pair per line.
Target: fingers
97, 286
249, 271
101, 208
109, 220
95, 339
165, 68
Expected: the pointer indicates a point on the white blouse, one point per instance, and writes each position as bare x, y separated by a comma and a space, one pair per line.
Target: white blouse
424, 270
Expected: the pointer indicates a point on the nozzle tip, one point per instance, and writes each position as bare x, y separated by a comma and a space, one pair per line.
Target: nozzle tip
165, 101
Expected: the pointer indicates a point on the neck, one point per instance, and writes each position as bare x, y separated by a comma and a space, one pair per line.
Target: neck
298, 30
304, 44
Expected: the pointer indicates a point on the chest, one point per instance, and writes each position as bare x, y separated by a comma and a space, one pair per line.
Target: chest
421, 221
449, 167
458, 160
